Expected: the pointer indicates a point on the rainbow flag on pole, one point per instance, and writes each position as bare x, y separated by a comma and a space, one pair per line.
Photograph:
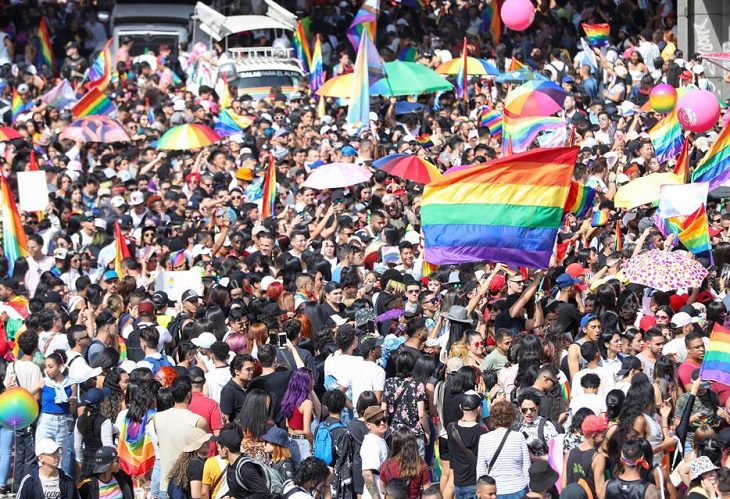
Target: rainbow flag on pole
100, 72
693, 232
122, 251
269, 190
681, 169
301, 45
94, 102
716, 363
45, 49
15, 242
507, 210
580, 199
16, 105
462, 77
149, 111
597, 34
316, 71
366, 19
368, 68
667, 137
715, 166
522, 131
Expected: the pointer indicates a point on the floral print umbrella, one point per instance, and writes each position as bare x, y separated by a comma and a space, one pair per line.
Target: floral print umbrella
665, 271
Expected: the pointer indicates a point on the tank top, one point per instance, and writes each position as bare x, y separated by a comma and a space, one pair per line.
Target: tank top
580, 465
655, 437
48, 401
296, 421
626, 489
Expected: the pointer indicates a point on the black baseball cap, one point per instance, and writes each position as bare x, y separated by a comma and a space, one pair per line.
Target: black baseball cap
628, 363
104, 458
230, 439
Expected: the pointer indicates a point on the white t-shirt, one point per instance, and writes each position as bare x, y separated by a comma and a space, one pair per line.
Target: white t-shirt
51, 487
216, 379
592, 401
367, 376
607, 381
49, 342
27, 373
373, 453
341, 367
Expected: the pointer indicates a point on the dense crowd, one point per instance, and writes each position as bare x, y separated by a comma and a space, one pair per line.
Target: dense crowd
322, 355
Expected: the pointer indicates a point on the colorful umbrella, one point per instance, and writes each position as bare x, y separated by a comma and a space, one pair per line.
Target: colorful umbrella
184, 137
665, 271
643, 190
7, 133
519, 76
474, 66
95, 128
536, 98
336, 175
409, 167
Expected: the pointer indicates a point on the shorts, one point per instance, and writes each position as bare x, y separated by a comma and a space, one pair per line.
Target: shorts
444, 449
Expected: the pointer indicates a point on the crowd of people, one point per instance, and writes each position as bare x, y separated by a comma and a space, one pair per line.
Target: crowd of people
323, 356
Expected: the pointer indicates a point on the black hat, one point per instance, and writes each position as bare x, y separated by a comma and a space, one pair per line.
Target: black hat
52, 297
367, 343
104, 458
542, 476
190, 295
628, 363
160, 299
230, 439
196, 375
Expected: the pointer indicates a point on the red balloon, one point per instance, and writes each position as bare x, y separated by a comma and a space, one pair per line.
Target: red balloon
518, 15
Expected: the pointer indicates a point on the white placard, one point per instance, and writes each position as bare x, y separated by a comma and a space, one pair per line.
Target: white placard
32, 191
176, 283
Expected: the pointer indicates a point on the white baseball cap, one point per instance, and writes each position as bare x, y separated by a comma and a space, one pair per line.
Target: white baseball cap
266, 282
46, 446
205, 340
136, 198
60, 253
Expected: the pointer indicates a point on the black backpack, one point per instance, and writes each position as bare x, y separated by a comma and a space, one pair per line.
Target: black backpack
134, 344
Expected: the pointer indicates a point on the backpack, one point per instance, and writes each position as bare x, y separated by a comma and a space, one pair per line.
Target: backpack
158, 364
134, 344
323, 442
272, 477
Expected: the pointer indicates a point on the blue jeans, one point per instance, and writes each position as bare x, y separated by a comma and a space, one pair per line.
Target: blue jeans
155, 479
57, 427
514, 495
465, 492
6, 453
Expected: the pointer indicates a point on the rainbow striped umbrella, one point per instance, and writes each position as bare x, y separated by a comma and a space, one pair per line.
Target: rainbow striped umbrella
184, 137
536, 98
7, 133
474, 66
409, 167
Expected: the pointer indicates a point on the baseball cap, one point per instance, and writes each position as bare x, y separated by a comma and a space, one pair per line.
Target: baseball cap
205, 340
136, 198
681, 319
117, 201
564, 280
230, 439
586, 319
104, 458
60, 253
575, 270
95, 396
160, 299
190, 295
368, 343
454, 364
110, 275
628, 363
146, 307
348, 150
196, 375
46, 446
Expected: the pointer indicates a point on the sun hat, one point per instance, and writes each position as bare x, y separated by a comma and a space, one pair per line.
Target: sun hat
542, 476
457, 313
276, 436
700, 466
194, 438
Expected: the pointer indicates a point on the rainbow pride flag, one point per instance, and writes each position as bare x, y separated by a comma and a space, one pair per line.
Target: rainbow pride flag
715, 166
667, 137
507, 210
597, 34
269, 188
580, 199
425, 141
618, 244
693, 232
301, 46
599, 218
226, 124
100, 72
15, 242
366, 19
94, 102
16, 105
178, 258
122, 251
408, 54
135, 448
522, 131
316, 71
491, 119
149, 111
462, 77
45, 49
368, 68
681, 169
491, 21
716, 363
515, 65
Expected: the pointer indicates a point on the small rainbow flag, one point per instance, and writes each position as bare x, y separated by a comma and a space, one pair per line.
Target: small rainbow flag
462, 77
269, 188
491, 119
45, 49
565, 390
316, 73
618, 244
667, 137
522, 131
94, 102
715, 166
580, 199
693, 232
301, 45
408, 54
16, 105
178, 258
122, 251
100, 72
597, 34
365, 19
716, 362
15, 242
424, 141
226, 124
681, 169
149, 111
599, 218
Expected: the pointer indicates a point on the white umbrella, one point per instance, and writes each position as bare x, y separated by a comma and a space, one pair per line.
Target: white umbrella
335, 175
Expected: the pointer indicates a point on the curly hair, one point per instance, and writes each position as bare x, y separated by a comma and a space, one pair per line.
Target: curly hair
179, 472
112, 405
502, 415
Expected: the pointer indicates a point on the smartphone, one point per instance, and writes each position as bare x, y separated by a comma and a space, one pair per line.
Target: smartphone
272, 338
282, 340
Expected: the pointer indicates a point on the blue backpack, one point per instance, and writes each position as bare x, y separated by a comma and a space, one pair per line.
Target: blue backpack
323, 441
157, 364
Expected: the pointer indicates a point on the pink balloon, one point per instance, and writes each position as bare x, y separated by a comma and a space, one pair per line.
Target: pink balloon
518, 15
698, 110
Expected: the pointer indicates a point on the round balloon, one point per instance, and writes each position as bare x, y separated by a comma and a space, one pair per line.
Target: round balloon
698, 110
517, 15
663, 98
18, 409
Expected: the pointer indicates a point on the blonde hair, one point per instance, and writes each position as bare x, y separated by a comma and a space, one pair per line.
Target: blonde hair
460, 350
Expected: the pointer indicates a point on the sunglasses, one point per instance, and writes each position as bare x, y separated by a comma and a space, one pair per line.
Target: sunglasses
526, 410
380, 421
479, 344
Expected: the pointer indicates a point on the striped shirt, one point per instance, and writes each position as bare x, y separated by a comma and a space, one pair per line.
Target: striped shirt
511, 469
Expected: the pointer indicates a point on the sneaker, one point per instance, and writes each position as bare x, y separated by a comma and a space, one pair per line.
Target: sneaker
5, 491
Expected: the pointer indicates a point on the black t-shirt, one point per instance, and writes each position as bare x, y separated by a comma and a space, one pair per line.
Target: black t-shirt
232, 397
464, 470
505, 321
276, 384
569, 317
452, 410
251, 476
358, 430
195, 469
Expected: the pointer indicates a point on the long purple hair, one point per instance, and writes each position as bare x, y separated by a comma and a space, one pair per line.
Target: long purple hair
300, 384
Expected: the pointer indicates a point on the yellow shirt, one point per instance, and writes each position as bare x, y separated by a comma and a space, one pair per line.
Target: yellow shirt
212, 469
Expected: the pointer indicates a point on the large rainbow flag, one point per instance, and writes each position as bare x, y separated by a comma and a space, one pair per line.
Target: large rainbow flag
716, 363
15, 242
45, 49
507, 210
100, 72
365, 19
269, 187
135, 448
523, 130
301, 46
94, 102
597, 34
316, 71
715, 166
491, 119
369, 67
692, 231
667, 137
